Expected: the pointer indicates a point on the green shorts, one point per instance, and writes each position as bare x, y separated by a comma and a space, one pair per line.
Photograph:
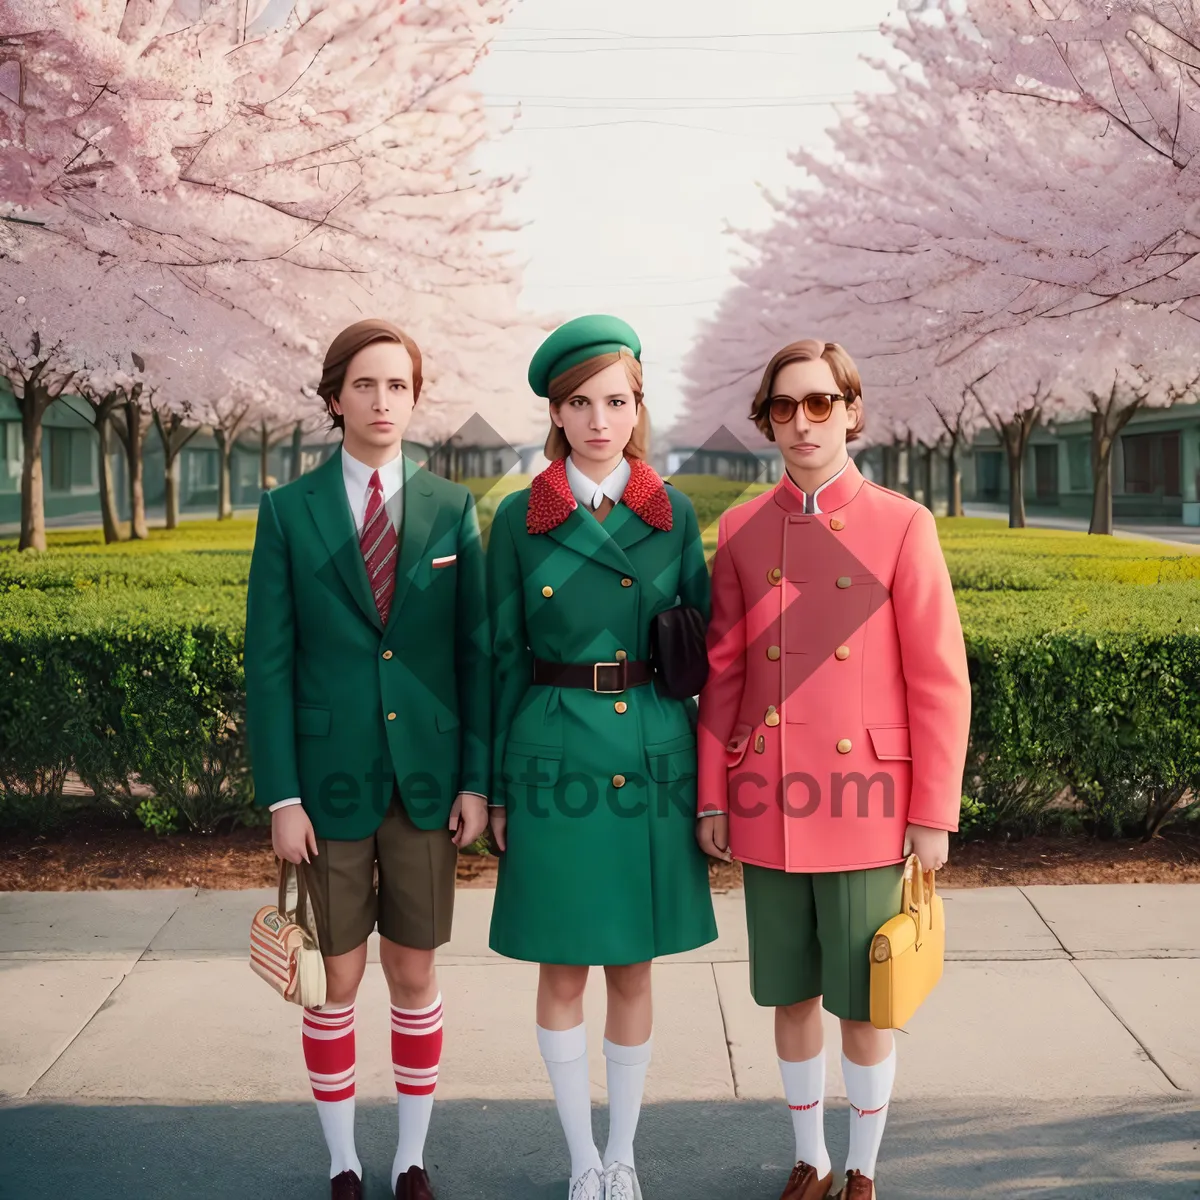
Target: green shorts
810, 934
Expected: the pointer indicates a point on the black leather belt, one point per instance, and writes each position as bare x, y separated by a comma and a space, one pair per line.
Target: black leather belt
596, 677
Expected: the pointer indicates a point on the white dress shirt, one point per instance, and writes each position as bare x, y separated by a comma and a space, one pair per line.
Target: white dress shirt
591, 494
356, 476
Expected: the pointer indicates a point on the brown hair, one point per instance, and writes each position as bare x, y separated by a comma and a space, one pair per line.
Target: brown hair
346, 345
845, 376
564, 386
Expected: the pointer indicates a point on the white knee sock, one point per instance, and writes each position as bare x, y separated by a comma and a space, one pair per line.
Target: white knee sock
804, 1087
565, 1054
626, 1078
868, 1089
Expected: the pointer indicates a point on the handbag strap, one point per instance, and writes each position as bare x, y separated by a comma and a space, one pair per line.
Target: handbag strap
300, 917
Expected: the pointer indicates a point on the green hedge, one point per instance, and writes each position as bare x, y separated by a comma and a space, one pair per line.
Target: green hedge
125, 662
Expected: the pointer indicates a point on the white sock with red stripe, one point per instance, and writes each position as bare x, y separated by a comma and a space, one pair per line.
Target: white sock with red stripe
804, 1087
416, 1052
328, 1037
868, 1089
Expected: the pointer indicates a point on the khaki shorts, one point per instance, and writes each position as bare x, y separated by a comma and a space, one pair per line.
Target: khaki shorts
810, 934
413, 901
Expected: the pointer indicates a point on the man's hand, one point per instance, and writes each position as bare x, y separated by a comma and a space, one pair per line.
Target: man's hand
931, 846
292, 834
713, 835
468, 818
499, 820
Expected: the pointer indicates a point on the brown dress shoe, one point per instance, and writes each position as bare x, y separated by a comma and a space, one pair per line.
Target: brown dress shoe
346, 1186
414, 1185
803, 1184
857, 1187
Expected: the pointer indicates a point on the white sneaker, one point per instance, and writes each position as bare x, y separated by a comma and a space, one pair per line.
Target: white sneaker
589, 1186
621, 1183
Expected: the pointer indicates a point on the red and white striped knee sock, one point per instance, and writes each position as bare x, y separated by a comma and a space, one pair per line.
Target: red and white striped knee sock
328, 1036
416, 1052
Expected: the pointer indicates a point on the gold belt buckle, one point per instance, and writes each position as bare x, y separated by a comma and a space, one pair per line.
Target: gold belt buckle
596, 678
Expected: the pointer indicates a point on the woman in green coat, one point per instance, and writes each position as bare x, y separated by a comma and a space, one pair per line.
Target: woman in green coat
594, 767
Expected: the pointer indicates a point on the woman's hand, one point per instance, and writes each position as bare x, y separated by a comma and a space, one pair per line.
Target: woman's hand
713, 835
468, 818
931, 846
499, 822
292, 835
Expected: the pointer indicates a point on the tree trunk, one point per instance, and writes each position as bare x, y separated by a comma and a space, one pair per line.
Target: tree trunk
910, 463
171, 473
1102, 447
1015, 433
134, 438
954, 470
33, 497
891, 467
297, 448
225, 486
109, 518
927, 481
264, 457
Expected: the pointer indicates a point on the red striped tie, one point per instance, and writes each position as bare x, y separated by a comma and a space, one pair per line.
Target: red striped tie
378, 541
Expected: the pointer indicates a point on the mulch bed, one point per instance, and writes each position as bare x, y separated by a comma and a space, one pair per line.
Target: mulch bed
106, 856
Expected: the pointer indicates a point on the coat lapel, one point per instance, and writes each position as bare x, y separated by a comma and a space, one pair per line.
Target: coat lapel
330, 510
583, 534
420, 509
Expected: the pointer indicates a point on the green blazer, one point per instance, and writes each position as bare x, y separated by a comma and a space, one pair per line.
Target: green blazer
338, 707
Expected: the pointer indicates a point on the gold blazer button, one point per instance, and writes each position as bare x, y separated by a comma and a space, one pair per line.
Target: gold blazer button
760, 744
772, 652
772, 717
547, 590
620, 706
843, 581
775, 575
618, 781
391, 716
627, 582
387, 654
842, 653
620, 654
835, 523
844, 746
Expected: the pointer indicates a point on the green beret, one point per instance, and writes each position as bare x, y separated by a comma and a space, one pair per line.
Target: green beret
577, 341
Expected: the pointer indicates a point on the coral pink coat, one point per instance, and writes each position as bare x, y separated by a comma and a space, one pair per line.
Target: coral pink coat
838, 706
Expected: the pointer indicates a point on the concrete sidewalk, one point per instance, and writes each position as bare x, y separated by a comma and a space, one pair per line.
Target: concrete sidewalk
1061, 1050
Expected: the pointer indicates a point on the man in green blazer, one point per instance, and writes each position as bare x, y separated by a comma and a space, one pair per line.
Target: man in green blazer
368, 715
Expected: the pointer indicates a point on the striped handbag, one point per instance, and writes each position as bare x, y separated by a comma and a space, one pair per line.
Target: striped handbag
283, 945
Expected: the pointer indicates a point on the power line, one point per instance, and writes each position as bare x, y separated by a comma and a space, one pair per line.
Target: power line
616, 35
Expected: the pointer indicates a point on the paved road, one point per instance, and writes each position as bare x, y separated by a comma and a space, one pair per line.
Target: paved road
1059, 1057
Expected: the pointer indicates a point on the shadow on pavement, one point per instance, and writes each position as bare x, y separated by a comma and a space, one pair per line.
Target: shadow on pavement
513, 1150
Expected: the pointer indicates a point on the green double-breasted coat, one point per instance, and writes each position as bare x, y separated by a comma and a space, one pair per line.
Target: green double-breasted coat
339, 705
601, 865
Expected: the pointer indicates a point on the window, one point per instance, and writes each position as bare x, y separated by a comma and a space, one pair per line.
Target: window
1152, 465
84, 452
59, 448
1079, 464
989, 469
13, 456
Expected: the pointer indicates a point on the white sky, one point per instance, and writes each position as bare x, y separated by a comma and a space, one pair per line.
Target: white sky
639, 143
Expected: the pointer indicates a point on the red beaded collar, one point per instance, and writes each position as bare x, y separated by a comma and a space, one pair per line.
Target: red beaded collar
551, 500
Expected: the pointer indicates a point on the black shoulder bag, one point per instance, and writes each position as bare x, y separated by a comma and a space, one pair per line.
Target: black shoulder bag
678, 652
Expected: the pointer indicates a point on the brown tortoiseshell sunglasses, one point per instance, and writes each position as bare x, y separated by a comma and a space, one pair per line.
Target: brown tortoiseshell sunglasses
818, 406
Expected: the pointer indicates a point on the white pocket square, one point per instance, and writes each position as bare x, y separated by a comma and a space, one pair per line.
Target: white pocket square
445, 561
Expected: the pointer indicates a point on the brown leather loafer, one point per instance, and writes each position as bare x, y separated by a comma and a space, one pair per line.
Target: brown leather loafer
804, 1184
346, 1186
857, 1187
414, 1185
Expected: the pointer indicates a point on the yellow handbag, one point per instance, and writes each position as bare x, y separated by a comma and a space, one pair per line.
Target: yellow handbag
908, 951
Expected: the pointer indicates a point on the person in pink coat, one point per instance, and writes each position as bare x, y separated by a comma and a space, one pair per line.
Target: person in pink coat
832, 738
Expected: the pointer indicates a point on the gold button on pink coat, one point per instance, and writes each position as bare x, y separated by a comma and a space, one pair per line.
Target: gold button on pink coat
835, 645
